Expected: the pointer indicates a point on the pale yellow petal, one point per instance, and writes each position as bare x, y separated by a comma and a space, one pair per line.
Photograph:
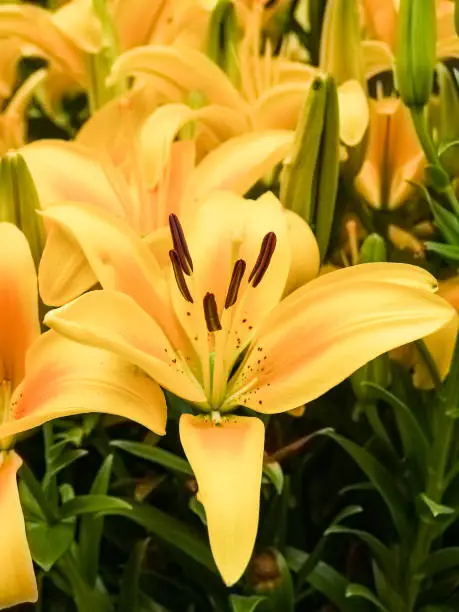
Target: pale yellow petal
78, 20
327, 329
377, 58
190, 70
35, 26
18, 584
279, 107
65, 378
19, 324
68, 171
239, 163
305, 255
113, 321
353, 112
227, 461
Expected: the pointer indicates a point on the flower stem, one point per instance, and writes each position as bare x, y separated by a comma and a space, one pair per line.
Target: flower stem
436, 482
420, 125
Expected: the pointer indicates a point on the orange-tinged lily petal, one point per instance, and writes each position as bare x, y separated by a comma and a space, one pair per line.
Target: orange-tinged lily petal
190, 70
381, 19
238, 163
160, 130
135, 20
113, 321
328, 329
354, 113
64, 378
377, 57
18, 584
19, 324
227, 460
35, 26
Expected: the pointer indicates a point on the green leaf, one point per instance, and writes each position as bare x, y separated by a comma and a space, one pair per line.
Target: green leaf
246, 604
447, 251
445, 220
314, 556
382, 480
84, 504
128, 600
49, 542
414, 441
430, 511
441, 560
172, 531
358, 590
273, 472
62, 461
380, 552
155, 455
91, 527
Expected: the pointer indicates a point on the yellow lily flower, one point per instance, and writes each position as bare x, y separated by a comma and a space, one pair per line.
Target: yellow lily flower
63, 382
141, 177
70, 37
215, 332
393, 157
267, 94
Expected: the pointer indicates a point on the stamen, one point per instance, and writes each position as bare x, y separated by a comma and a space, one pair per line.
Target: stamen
178, 273
180, 245
235, 283
211, 313
264, 258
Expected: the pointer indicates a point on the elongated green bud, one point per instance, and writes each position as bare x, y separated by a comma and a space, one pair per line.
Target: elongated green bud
19, 201
448, 129
416, 51
223, 36
309, 179
377, 371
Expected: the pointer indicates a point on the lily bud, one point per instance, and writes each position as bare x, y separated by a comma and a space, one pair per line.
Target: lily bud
377, 370
223, 35
341, 57
269, 575
416, 51
449, 123
19, 201
309, 179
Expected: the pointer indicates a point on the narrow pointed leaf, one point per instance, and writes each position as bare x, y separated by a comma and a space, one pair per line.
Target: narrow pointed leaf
155, 455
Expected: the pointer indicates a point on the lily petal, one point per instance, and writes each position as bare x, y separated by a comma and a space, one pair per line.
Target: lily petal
117, 256
189, 70
328, 329
66, 378
279, 107
18, 584
227, 461
66, 171
440, 345
19, 324
354, 113
113, 321
377, 57
239, 163
35, 26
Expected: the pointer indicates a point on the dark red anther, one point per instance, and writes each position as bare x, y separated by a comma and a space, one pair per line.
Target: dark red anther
179, 277
180, 245
211, 313
235, 283
267, 249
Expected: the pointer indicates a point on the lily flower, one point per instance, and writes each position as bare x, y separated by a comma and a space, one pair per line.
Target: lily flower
142, 176
393, 159
216, 333
63, 383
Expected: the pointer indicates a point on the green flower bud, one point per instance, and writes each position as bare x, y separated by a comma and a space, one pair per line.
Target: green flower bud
19, 201
223, 36
309, 179
416, 51
448, 124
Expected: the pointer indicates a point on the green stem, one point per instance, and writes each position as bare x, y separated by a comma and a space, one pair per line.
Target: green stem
443, 429
419, 121
50, 513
